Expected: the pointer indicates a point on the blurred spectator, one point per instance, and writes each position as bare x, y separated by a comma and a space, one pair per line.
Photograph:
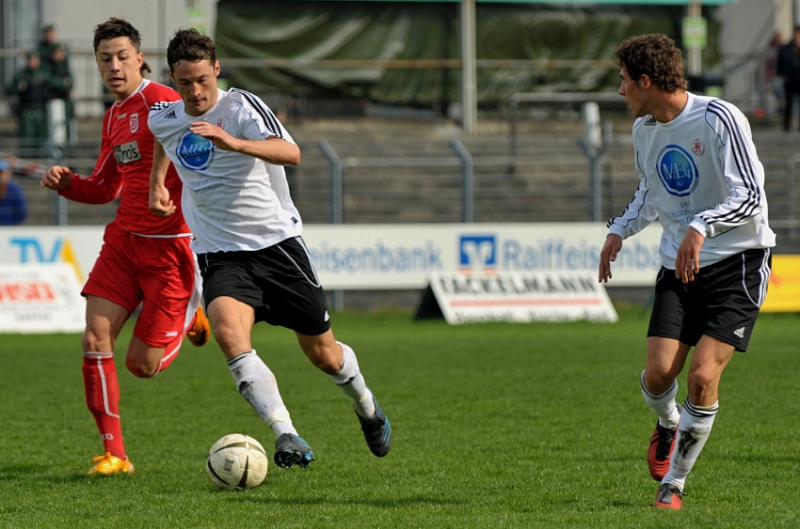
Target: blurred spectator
770, 64
61, 78
31, 87
49, 43
12, 202
788, 68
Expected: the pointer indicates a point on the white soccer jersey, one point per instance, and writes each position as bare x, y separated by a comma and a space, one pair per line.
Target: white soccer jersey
230, 201
701, 169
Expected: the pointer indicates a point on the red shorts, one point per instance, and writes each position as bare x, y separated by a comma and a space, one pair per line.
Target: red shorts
160, 273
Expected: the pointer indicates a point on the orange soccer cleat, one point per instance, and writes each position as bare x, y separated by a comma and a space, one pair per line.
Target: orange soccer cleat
108, 464
200, 332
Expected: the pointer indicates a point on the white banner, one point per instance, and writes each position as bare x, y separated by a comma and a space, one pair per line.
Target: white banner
37, 298
524, 297
397, 256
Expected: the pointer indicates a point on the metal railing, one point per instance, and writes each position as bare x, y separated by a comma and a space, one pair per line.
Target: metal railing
546, 177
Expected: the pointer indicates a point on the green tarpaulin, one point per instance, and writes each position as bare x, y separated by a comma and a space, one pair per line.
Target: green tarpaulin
279, 47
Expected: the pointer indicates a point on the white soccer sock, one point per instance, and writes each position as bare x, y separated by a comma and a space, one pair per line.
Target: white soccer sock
664, 405
258, 386
693, 431
350, 379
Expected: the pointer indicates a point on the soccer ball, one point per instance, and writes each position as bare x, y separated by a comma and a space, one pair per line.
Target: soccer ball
237, 462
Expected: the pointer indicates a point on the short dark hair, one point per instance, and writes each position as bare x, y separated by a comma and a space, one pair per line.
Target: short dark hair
190, 45
656, 56
118, 27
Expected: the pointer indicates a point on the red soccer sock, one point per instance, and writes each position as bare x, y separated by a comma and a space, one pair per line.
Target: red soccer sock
102, 397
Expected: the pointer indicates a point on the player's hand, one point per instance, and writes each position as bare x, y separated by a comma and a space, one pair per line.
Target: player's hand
160, 203
687, 263
608, 255
221, 139
57, 178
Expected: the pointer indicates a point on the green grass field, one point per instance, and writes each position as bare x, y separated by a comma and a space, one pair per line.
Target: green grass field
495, 425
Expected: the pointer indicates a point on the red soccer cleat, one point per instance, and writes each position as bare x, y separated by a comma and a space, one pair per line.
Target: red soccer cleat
669, 497
662, 442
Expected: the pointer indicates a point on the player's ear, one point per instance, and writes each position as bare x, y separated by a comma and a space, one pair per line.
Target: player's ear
644, 81
216, 68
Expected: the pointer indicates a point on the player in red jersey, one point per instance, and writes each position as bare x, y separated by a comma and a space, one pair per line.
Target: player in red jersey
145, 259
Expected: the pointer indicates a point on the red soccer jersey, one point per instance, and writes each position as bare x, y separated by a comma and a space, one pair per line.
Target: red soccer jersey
126, 157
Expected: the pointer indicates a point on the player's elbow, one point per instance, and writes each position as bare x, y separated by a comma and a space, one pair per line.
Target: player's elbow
293, 157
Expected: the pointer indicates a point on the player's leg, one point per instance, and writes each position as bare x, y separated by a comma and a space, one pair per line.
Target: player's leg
104, 319
303, 308
709, 360
339, 361
112, 293
166, 271
232, 322
665, 360
728, 295
666, 356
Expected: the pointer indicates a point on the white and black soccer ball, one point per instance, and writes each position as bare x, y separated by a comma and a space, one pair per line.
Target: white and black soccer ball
237, 462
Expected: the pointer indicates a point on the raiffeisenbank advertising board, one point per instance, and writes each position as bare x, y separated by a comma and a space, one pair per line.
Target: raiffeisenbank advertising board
396, 256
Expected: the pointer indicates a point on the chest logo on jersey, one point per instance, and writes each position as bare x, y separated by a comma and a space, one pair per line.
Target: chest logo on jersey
677, 170
127, 153
195, 152
134, 122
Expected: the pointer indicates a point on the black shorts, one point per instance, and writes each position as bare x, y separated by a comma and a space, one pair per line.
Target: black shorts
279, 282
722, 302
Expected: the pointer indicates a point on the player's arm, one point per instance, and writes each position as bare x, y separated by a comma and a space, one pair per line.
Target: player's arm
100, 187
687, 262
272, 150
639, 213
57, 178
608, 255
743, 175
160, 202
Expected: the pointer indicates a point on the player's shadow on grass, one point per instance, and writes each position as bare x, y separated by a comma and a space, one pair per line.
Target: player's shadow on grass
28, 472
376, 502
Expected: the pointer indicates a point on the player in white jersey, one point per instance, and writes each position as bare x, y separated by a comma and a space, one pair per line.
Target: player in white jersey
700, 177
229, 150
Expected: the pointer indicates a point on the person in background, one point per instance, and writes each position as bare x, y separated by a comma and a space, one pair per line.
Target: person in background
145, 260
13, 209
48, 44
700, 177
31, 87
229, 150
788, 69
60, 79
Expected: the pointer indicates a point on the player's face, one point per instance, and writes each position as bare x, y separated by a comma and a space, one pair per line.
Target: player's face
120, 66
634, 96
197, 84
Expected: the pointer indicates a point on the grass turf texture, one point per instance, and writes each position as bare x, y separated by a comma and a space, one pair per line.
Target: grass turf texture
495, 425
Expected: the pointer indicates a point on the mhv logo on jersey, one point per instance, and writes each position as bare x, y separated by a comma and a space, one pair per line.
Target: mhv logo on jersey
677, 170
477, 253
195, 152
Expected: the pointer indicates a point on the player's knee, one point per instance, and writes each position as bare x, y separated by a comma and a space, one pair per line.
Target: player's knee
95, 343
658, 380
141, 369
700, 383
326, 358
